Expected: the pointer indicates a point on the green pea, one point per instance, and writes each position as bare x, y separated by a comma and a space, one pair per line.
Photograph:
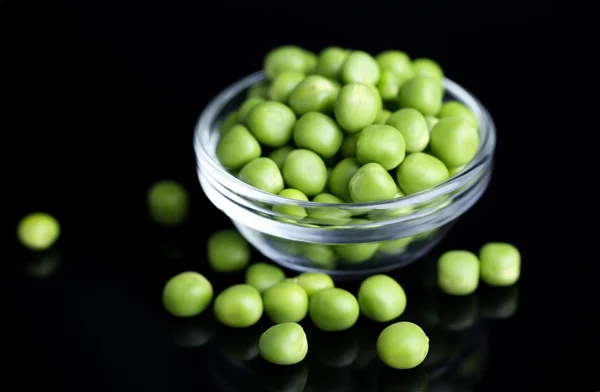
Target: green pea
305, 170
452, 171
421, 93
431, 121
313, 282
285, 58
389, 84
168, 203
458, 272
402, 345
329, 215
311, 61
237, 147
38, 231
500, 264
382, 116
283, 344
262, 173
246, 107
230, 120
356, 106
428, 68
319, 133
395, 61
381, 298
395, 246
187, 294
272, 123
457, 109
333, 309
291, 210
262, 276
420, 171
382, 144
413, 127
348, 148
259, 90
315, 93
278, 156
285, 302
340, 176
227, 251
454, 141
283, 85
356, 253
330, 62
360, 67
372, 183
238, 306
320, 255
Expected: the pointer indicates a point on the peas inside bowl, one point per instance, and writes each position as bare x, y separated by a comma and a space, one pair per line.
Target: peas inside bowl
330, 168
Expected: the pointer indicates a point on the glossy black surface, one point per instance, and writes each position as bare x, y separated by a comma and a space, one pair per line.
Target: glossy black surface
103, 101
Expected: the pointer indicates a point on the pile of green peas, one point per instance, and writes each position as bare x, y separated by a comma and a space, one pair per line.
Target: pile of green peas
344, 126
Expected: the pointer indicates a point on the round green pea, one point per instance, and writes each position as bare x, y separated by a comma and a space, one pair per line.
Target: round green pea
313, 282
340, 176
381, 298
279, 155
500, 264
372, 183
238, 306
230, 120
285, 302
395, 246
454, 170
284, 59
227, 251
237, 147
38, 231
348, 148
382, 144
360, 67
458, 272
320, 255
333, 309
283, 85
420, 171
431, 121
457, 109
187, 294
356, 253
291, 210
168, 203
283, 344
305, 170
382, 116
318, 132
311, 61
454, 141
357, 106
272, 123
259, 90
315, 93
402, 345
262, 276
428, 68
262, 173
389, 85
396, 62
329, 215
330, 62
421, 93
246, 107
413, 127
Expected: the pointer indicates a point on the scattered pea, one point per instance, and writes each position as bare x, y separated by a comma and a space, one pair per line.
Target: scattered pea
382, 144
403, 345
262, 276
420, 171
238, 306
319, 133
458, 272
237, 147
381, 298
313, 282
187, 294
168, 203
333, 309
283, 344
228, 251
262, 173
413, 127
285, 302
500, 264
39, 231
305, 171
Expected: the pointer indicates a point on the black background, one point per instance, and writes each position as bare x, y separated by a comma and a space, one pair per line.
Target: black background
102, 101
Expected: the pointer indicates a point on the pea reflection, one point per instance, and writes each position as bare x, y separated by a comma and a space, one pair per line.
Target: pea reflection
171, 248
192, 332
283, 378
499, 303
326, 379
393, 380
458, 313
42, 265
334, 349
240, 344
367, 332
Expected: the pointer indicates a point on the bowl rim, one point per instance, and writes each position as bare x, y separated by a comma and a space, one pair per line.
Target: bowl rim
206, 159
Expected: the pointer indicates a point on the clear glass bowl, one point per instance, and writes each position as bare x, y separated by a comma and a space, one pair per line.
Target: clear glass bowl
343, 240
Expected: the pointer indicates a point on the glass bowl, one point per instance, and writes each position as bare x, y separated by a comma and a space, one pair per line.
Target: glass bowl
343, 240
